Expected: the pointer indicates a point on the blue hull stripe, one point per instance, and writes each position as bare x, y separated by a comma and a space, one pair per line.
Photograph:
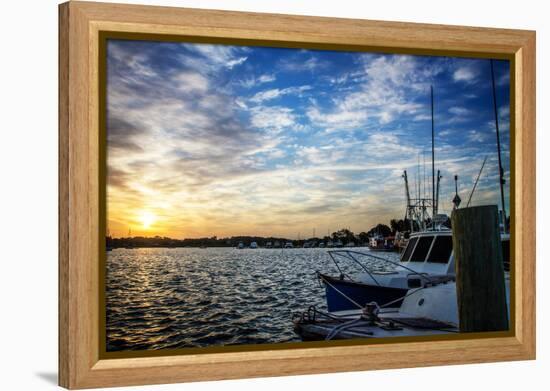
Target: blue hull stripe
360, 293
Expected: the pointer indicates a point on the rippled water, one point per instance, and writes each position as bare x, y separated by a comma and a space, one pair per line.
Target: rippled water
163, 298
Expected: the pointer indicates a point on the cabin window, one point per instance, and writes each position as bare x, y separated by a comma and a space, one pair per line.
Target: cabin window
422, 249
506, 254
408, 250
441, 250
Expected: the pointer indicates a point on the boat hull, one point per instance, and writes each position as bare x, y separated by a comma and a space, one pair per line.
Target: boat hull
358, 292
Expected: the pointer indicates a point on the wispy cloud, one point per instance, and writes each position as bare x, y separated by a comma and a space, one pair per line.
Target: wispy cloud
274, 118
250, 82
378, 99
460, 111
300, 64
476, 136
276, 93
466, 74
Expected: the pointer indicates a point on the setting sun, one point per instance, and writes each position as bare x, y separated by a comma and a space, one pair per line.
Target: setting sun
147, 219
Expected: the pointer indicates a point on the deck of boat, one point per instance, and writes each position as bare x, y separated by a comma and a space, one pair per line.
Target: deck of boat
397, 326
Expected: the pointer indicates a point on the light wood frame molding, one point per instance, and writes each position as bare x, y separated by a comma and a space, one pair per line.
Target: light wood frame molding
80, 23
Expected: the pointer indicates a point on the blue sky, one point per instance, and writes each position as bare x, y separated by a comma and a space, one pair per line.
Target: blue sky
228, 140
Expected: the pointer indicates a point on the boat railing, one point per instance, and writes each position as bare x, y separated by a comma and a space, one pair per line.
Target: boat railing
351, 255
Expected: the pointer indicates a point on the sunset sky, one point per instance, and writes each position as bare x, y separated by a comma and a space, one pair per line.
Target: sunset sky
207, 140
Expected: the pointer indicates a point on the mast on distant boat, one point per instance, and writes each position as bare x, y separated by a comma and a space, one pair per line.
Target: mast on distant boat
475, 183
410, 208
437, 193
434, 211
417, 207
501, 170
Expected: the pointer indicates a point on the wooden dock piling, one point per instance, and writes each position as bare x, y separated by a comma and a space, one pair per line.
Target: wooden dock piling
480, 285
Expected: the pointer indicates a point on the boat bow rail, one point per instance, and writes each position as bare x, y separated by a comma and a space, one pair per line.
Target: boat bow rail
378, 268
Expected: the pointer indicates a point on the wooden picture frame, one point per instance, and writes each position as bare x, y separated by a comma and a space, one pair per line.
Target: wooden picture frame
80, 166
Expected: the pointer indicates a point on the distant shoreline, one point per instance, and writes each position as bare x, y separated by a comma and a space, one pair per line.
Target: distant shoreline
341, 238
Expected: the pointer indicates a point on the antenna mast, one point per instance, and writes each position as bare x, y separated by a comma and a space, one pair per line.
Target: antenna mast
475, 183
408, 214
433, 156
424, 193
437, 193
418, 180
501, 170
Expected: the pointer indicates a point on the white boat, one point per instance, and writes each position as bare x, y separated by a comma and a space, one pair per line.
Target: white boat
427, 257
427, 310
253, 245
374, 241
240, 246
289, 245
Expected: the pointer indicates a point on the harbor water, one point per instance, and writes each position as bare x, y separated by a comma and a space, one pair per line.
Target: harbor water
171, 298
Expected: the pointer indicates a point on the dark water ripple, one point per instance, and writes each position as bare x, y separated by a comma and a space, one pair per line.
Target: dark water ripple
177, 298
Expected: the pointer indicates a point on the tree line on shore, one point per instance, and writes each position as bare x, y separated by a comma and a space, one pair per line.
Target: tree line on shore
345, 236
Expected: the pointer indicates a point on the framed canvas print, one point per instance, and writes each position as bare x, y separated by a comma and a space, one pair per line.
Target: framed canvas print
247, 195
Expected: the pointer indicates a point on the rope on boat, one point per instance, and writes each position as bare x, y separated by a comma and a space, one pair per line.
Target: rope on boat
361, 307
369, 317
342, 327
342, 293
310, 316
411, 292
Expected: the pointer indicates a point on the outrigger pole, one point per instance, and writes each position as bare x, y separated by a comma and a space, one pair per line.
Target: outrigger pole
437, 192
501, 170
433, 156
475, 183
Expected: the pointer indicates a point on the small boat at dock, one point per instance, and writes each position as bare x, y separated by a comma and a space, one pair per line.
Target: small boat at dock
428, 310
380, 243
424, 311
427, 257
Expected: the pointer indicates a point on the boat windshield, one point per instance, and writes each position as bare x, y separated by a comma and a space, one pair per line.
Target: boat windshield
422, 248
441, 250
409, 249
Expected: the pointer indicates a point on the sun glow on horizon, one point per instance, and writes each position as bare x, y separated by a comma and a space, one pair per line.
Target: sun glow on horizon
147, 219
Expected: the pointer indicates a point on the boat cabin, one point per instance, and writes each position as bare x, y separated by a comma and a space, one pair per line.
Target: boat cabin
428, 256
432, 252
